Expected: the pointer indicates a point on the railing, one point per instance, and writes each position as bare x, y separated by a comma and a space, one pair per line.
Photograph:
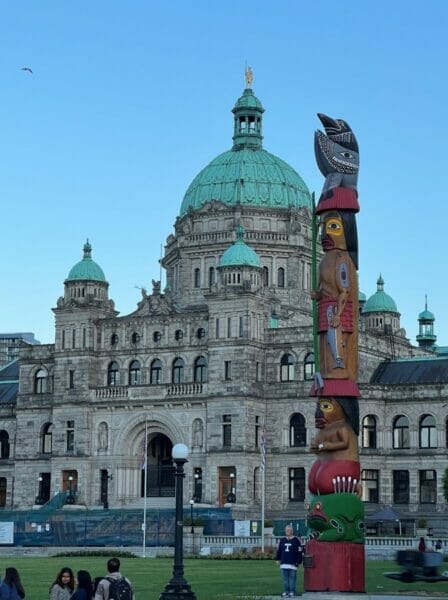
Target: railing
184, 389
119, 391
148, 391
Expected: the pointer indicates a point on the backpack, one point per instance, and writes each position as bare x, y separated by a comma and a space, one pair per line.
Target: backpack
119, 589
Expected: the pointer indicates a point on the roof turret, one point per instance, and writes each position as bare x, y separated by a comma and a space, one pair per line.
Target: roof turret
86, 269
240, 254
380, 301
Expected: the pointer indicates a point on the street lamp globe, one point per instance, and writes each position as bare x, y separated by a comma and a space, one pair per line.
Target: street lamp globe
180, 452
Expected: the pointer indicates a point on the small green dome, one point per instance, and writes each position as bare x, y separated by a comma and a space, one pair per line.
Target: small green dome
247, 174
426, 315
380, 301
86, 269
361, 297
240, 254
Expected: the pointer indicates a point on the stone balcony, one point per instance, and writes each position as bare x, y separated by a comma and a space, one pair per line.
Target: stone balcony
150, 392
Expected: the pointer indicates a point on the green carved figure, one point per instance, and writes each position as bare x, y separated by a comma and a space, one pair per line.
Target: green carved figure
336, 517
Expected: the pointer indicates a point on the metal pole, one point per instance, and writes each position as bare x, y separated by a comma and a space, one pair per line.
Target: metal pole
145, 491
262, 508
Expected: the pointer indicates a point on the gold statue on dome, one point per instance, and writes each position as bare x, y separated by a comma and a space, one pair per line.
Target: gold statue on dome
249, 76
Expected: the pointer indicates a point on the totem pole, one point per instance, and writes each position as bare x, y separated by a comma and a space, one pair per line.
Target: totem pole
335, 553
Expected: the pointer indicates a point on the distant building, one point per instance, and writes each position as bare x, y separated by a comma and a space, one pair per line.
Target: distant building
10, 344
223, 351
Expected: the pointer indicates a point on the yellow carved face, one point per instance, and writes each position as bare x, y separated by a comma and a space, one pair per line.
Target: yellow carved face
328, 411
333, 232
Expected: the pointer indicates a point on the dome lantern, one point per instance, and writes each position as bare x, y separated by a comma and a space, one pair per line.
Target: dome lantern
426, 337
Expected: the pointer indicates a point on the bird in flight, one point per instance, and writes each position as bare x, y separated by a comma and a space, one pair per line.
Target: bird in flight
26, 69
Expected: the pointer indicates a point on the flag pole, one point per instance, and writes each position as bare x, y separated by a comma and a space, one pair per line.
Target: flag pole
262, 481
145, 479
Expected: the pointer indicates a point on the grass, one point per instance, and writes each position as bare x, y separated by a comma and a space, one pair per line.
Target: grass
210, 579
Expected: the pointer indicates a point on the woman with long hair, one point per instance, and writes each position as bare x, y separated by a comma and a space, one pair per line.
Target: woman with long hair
84, 589
11, 587
63, 586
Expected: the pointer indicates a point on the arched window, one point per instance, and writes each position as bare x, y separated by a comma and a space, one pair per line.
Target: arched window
114, 339
369, 432
41, 382
200, 369
177, 374
155, 374
178, 334
401, 432
427, 432
200, 333
297, 431
308, 367
4, 444
211, 276
265, 276
281, 277
47, 438
135, 338
113, 374
135, 373
156, 336
197, 278
287, 368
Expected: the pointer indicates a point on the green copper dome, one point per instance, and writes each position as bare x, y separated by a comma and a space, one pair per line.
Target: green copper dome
86, 269
426, 315
380, 301
240, 254
247, 174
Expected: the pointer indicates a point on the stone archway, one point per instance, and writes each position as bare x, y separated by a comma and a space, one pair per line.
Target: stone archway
159, 473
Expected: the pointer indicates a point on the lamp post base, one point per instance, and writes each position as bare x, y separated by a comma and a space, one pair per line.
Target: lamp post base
177, 591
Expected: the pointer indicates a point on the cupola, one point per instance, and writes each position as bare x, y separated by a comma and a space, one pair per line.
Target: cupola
380, 312
426, 337
86, 280
240, 264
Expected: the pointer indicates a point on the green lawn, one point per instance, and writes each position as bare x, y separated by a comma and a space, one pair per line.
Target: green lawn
209, 579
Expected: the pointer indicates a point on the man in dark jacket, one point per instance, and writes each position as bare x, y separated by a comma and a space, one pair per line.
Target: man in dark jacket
289, 557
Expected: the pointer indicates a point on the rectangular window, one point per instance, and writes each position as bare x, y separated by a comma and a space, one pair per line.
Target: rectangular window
297, 484
227, 430
257, 371
227, 370
428, 487
70, 436
401, 487
74, 338
241, 327
370, 485
229, 326
84, 337
71, 379
257, 431
63, 340
217, 329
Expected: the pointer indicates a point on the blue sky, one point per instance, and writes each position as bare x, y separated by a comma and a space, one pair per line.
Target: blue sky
128, 101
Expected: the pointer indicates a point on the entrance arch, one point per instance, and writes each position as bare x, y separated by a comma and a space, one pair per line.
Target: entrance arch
160, 469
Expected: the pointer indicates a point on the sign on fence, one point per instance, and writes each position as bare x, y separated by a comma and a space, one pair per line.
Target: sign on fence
6, 532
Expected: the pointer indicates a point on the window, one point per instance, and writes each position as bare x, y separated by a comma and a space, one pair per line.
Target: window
428, 487
229, 326
257, 431
135, 338
211, 276
297, 484
47, 439
2, 491
265, 276
74, 338
134, 373
401, 432
113, 374
70, 436
227, 370
227, 430
369, 432
197, 278
370, 487
241, 328
217, 329
200, 333
71, 379
4, 444
427, 432
308, 367
256, 486
200, 370
287, 368
156, 336
63, 340
41, 382
401, 487
155, 373
177, 371
297, 431
178, 334
257, 371
281, 277
114, 339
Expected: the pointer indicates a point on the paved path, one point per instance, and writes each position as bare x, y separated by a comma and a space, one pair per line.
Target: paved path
343, 596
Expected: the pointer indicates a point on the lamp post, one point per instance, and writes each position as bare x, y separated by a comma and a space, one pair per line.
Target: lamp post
70, 499
178, 588
39, 490
191, 515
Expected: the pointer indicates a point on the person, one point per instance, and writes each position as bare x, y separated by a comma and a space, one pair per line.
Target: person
289, 556
439, 546
84, 589
114, 585
422, 545
11, 587
63, 586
